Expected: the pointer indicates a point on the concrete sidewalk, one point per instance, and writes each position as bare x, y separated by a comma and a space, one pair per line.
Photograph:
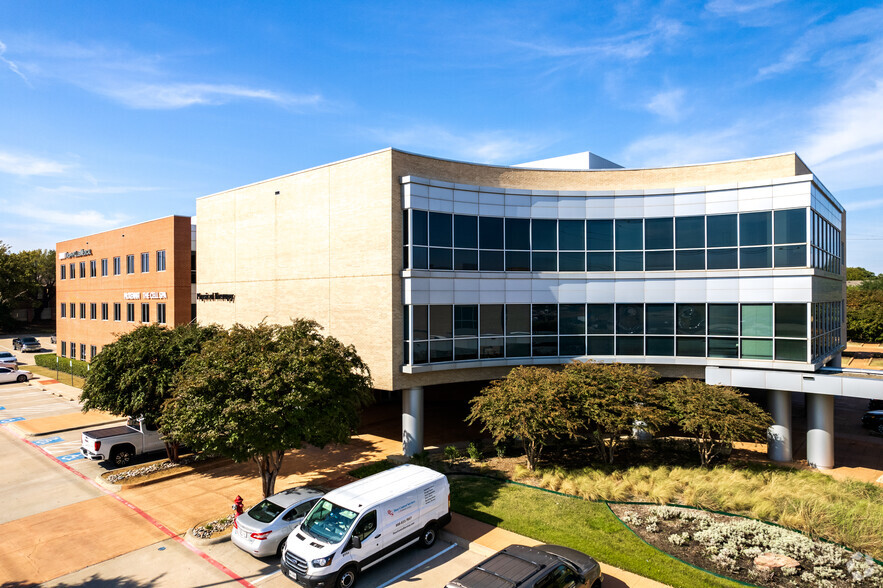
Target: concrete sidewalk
63, 422
486, 540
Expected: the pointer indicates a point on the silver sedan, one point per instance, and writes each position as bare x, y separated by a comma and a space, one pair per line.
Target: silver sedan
263, 529
12, 375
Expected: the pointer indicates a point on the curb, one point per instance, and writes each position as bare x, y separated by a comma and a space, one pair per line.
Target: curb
200, 541
66, 429
173, 473
467, 545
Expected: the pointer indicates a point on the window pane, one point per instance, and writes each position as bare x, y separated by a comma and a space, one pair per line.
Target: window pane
630, 261
465, 231
757, 320
421, 257
629, 234
421, 352
517, 346
517, 233
518, 319
659, 260
722, 230
629, 319
755, 228
571, 346
545, 346
660, 319
790, 320
492, 348
440, 258
599, 235
661, 346
599, 346
440, 324
691, 319
466, 320
790, 226
629, 346
755, 257
545, 319
491, 319
440, 229
599, 262
722, 258
544, 234
691, 346
600, 319
518, 261
572, 319
490, 233
719, 347
421, 322
790, 255
690, 259
441, 351
418, 231
466, 259
465, 349
491, 261
689, 232
572, 261
757, 348
723, 319
791, 349
571, 235
659, 233
546, 261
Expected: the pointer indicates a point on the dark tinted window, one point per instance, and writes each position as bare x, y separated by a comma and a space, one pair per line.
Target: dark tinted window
690, 319
439, 229
491, 319
723, 258
545, 319
755, 228
571, 235
722, 230
466, 320
660, 319
518, 319
490, 232
599, 262
629, 319
690, 232
790, 226
544, 234
658, 233
599, 234
418, 231
600, 319
659, 260
517, 233
440, 324
465, 231
629, 234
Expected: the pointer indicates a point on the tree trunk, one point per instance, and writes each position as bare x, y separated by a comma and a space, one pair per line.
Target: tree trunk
172, 450
268, 465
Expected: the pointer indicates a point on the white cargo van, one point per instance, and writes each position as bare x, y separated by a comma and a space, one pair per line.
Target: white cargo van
354, 527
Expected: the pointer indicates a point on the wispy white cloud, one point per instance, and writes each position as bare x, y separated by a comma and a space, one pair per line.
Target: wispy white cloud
11, 65
95, 189
20, 164
668, 104
90, 220
181, 95
680, 149
865, 205
738, 7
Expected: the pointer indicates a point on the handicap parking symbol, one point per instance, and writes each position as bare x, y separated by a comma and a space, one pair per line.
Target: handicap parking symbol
12, 420
48, 441
70, 457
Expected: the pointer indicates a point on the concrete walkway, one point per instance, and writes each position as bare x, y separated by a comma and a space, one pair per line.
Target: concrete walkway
63, 422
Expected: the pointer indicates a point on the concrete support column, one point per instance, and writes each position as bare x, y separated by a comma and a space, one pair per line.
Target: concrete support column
779, 433
836, 361
820, 431
412, 421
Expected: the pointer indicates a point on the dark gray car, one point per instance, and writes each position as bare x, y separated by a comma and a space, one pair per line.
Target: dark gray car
543, 566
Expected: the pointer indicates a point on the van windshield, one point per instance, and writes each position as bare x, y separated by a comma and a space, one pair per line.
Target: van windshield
329, 522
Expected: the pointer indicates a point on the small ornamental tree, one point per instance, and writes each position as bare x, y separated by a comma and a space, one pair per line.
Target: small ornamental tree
716, 416
529, 404
612, 398
133, 375
253, 393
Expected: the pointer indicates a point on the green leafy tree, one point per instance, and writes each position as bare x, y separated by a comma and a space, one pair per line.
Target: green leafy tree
859, 273
27, 280
611, 399
864, 314
134, 375
253, 393
716, 416
530, 404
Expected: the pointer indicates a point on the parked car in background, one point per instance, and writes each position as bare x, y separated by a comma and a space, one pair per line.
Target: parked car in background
27, 344
13, 375
873, 419
52, 339
8, 357
875, 404
543, 566
263, 529
121, 444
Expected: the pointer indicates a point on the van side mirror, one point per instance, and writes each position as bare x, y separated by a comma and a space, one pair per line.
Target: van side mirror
355, 542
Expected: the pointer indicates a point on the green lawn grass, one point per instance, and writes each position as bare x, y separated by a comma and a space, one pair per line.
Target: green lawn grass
50, 373
587, 526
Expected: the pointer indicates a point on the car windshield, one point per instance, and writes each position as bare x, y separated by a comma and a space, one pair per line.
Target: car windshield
265, 512
329, 522
28, 340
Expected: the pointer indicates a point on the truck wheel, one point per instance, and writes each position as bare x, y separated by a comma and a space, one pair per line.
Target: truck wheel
347, 577
21, 378
121, 456
429, 535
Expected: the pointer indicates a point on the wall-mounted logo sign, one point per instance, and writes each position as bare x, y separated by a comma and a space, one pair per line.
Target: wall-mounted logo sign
144, 295
216, 296
80, 253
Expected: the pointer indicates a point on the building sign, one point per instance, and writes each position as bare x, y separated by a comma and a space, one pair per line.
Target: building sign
144, 295
80, 253
216, 296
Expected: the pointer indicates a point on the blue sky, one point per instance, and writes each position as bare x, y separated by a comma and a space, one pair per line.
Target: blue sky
115, 113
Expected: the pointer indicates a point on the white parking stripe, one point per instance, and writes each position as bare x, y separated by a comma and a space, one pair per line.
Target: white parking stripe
267, 577
423, 563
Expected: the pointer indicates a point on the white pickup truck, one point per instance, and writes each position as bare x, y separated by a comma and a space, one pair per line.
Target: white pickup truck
121, 444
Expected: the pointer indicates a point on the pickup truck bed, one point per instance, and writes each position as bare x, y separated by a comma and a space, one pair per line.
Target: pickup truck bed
112, 432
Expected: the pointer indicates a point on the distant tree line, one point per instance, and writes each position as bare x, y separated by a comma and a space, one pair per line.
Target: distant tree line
864, 306
27, 281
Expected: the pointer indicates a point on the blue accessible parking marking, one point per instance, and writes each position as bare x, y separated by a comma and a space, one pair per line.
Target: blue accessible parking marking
48, 441
70, 457
13, 420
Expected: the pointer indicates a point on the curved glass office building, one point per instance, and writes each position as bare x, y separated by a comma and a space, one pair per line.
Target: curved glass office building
441, 271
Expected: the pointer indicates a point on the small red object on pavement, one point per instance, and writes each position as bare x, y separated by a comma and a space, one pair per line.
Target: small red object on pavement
237, 506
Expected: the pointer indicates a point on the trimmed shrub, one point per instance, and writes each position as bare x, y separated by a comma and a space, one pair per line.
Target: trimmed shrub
48, 360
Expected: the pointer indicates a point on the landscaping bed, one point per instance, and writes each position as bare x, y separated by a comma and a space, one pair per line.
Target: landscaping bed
157, 470
749, 550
